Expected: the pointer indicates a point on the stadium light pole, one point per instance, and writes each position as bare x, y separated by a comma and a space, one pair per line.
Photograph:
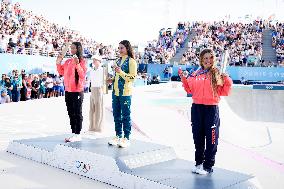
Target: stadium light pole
69, 22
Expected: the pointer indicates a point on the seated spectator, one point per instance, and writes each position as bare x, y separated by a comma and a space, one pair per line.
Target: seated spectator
156, 79
31, 34
3, 44
12, 46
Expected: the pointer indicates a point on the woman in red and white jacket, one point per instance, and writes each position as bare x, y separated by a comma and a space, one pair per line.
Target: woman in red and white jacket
74, 72
206, 86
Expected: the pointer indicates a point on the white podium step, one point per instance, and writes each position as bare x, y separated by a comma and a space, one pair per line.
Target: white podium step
141, 166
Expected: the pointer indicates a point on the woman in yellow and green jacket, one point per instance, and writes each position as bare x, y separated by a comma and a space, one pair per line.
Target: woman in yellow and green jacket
125, 74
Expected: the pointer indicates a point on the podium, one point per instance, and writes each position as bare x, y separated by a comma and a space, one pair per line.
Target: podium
143, 165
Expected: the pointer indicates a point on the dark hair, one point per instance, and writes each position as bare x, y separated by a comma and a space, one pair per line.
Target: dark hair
128, 48
101, 52
79, 54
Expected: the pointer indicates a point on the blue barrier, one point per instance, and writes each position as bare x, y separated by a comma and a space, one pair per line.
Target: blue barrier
256, 73
158, 69
236, 73
269, 87
39, 64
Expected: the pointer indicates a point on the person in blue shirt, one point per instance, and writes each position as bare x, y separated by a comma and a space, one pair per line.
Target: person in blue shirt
2, 82
17, 85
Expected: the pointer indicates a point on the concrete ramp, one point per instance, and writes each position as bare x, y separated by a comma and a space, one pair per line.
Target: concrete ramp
257, 105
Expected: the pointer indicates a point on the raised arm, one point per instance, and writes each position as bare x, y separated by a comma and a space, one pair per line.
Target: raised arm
227, 86
60, 68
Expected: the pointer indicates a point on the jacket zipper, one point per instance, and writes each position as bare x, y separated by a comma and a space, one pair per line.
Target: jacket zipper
203, 90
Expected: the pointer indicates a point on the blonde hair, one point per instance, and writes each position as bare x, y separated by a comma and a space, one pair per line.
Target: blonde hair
213, 70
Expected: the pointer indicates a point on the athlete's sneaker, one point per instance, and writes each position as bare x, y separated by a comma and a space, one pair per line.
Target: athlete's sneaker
204, 171
114, 141
124, 143
75, 138
196, 168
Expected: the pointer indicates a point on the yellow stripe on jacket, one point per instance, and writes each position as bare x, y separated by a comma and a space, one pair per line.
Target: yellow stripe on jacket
129, 78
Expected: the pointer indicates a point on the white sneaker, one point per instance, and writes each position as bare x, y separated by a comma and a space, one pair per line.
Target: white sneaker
75, 138
204, 171
196, 168
201, 172
114, 141
123, 143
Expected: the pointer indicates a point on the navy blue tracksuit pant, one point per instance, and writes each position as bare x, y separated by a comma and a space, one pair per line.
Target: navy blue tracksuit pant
121, 114
205, 129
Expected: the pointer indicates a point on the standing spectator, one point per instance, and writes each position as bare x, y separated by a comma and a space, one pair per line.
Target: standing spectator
9, 87
29, 90
42, 88
170, 72
24, 88
166, 72
2, 82
16, 88
49, 86
35, 88
55, 86
60, 83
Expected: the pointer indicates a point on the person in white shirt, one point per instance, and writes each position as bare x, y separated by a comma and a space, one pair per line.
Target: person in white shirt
96, 113
49, 86
3, 44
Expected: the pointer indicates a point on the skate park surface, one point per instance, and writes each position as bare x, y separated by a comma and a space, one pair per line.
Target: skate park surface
251, 133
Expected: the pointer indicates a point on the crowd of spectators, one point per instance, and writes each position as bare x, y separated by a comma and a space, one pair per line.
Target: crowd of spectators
23, 32
167, 45
20, 86
278, 42
243, 42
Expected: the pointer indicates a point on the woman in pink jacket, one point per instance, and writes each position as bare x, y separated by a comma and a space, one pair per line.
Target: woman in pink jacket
206, 86
74, 72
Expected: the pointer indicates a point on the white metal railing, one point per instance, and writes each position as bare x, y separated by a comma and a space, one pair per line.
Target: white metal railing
33, 51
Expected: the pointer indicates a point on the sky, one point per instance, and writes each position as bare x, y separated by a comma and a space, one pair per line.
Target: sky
139, 21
